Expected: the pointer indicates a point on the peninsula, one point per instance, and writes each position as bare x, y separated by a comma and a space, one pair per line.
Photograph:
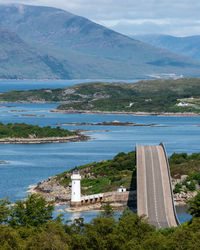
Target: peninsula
107, 176
179, 97
31, 134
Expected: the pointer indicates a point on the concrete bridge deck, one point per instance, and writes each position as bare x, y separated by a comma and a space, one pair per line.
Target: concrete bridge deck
154, 191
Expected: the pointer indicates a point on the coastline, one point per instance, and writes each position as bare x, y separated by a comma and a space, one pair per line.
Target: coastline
98, 112
74, 138
51, 190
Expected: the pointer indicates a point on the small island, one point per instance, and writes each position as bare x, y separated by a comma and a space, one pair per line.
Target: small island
107, 176
21, 133
109, 123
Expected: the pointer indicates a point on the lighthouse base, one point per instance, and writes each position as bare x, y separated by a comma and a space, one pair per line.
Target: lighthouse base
75, 203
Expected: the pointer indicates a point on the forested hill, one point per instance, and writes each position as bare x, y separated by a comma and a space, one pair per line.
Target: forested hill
181, 95
73, 47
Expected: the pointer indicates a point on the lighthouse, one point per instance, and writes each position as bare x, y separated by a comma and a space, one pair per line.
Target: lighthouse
76, 188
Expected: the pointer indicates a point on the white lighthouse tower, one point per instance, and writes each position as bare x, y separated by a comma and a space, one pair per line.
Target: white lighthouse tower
76, 188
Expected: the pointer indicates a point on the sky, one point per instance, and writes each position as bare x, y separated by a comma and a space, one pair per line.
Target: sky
134, 17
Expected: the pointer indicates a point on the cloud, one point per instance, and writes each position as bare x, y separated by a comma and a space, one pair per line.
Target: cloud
175, 17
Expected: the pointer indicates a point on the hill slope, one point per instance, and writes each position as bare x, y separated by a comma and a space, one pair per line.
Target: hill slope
83, 49
188, 46
19, 60
182, 95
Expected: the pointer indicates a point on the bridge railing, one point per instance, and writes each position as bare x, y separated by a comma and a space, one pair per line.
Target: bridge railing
171, 190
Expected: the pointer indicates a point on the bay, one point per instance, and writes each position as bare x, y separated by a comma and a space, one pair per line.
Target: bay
6, 85
29, 164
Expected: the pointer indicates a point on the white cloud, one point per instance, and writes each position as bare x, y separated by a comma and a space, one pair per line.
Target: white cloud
143, 16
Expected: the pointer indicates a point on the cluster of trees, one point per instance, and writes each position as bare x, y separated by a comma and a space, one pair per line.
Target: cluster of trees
22, 130
106, 175
30, 225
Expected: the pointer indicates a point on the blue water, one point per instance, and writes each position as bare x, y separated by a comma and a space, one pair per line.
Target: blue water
29, 164
6, 85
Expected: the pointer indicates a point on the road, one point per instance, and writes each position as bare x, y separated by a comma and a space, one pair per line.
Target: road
154, 197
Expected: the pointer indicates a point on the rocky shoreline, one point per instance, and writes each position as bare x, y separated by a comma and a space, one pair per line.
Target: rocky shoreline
75, 138
51, 190
98, 112
137, 113
106, 123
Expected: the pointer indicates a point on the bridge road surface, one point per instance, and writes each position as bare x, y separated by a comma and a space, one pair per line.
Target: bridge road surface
154, 196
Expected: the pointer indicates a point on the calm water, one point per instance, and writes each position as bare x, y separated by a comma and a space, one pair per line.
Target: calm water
29, 164
6, 85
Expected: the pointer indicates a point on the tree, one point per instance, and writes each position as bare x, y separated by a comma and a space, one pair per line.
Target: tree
34, 211
194, 205
4, 211
108, 211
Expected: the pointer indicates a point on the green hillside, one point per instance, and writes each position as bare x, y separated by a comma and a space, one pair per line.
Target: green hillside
182, 95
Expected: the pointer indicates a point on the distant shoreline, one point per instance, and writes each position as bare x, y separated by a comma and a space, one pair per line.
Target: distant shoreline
186, 114
99, 112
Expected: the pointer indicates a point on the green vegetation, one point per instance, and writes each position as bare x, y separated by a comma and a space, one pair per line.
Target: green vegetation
30, 225
184, 164
145, 96
106, 175
189, 165
22, 130
194, 205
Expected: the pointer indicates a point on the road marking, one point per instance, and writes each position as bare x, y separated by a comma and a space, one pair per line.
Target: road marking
163, 186
154, 188
145, 179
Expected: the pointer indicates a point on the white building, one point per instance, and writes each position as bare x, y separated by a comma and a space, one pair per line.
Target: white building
182, 104
76, 188
121, 189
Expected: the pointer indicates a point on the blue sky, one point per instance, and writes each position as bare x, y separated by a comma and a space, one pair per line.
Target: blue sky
179, 18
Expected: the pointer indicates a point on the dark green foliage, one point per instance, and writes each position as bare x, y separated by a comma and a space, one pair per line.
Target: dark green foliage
194, 205
191, 186
108, 211
34, 211
106, 175
102, 233
22, 130
184, 164
4, 211
177, 188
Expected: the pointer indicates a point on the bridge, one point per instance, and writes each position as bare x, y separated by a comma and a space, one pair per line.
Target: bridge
154, 190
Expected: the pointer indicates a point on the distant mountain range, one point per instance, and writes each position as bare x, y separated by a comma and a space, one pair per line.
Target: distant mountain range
48, 43
188, 46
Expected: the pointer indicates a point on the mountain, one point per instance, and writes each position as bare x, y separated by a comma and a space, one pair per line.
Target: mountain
19, 60
70, 46
188, 46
